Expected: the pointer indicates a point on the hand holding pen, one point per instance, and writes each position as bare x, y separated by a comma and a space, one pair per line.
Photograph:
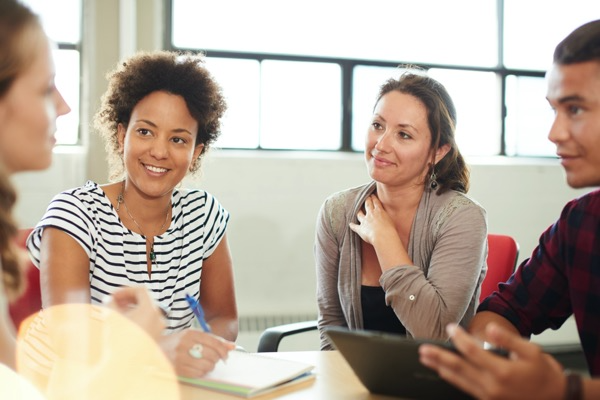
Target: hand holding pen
196, 308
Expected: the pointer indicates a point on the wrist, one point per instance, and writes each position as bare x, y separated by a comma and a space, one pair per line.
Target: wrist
573, 386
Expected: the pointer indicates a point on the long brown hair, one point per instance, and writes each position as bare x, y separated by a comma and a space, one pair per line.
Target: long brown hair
16, 22
451, 171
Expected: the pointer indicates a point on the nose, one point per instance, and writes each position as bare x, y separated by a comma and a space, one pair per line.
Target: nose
559, 131
159, 148
61, 105
381, 143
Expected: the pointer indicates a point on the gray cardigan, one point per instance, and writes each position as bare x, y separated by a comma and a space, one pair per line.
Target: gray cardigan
448, 245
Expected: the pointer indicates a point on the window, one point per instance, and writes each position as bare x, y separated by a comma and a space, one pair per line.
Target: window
67, 37
304, 75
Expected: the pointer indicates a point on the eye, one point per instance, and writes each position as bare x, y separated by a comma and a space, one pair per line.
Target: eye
404, 135
143, 131
574, 110
376, 126
179, 140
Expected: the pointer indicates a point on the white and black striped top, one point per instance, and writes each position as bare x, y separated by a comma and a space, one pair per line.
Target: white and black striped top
118, 255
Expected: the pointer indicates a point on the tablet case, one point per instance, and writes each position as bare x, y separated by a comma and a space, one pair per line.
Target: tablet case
389, 364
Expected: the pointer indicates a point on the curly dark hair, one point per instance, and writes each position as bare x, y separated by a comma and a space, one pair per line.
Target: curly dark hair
182, 74
451, 171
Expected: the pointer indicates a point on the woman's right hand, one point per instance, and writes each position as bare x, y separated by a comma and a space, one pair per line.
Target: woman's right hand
208, 350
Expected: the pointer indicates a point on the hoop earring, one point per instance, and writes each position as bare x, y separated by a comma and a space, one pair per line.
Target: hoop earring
433, 179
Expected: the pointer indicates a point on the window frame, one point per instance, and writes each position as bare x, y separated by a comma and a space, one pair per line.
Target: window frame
347, 65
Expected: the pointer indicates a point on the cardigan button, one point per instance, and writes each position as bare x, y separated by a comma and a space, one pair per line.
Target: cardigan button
411, 297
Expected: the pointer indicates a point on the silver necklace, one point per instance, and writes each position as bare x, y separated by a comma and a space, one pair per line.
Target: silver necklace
121, 200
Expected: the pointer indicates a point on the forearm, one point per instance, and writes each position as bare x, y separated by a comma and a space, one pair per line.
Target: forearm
225, 327
421, 308
391, 252
483, 318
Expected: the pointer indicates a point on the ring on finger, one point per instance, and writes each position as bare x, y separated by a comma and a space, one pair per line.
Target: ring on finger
196, 351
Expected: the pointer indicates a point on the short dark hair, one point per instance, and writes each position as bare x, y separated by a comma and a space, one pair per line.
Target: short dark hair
182, 74
451, 171
583, 44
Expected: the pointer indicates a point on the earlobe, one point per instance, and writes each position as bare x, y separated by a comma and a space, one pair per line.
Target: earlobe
197, 152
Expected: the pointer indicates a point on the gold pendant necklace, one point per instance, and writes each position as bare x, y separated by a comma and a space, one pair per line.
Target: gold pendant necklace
121, 200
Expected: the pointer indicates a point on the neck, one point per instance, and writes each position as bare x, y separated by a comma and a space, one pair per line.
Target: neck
400, 199
148, 216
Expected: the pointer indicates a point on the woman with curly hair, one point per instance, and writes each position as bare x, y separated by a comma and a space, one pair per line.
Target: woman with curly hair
161, 112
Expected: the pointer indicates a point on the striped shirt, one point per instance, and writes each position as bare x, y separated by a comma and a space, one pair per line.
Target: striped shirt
118, 256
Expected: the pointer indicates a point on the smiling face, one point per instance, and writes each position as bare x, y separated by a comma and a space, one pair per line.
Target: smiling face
29, 109
159, 144
574, 94
398, 142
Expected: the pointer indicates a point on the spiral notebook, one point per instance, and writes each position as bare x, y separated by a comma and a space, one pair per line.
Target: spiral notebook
248, 374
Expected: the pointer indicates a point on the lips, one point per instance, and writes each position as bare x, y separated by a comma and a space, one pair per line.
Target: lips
157, 170
381, 161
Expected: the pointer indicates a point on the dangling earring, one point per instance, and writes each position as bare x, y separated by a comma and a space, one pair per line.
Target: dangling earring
433, 179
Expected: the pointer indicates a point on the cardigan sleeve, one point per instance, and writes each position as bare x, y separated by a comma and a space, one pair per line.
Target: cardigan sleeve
428, 297
326, 252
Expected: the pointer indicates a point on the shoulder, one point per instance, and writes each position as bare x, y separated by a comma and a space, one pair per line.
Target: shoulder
90, 193
339, 208
590, 203
456, 206
453, 201
348, 197
196, 200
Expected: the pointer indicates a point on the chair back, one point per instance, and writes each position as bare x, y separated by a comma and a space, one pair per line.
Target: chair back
503, 252
30, 301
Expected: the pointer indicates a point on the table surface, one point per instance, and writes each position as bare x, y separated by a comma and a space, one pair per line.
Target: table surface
334, 380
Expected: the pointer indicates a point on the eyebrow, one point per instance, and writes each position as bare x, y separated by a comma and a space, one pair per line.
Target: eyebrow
177, 130
399, 125
568, 99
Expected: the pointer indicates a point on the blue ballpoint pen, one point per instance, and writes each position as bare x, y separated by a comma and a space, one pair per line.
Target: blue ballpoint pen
198, 312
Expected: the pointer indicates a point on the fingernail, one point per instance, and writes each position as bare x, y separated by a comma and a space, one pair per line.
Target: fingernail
451, 329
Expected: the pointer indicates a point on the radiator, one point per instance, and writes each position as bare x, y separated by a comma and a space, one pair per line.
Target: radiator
258, 323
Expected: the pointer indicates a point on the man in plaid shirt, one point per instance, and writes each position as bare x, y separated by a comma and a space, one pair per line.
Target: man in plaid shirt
562, 277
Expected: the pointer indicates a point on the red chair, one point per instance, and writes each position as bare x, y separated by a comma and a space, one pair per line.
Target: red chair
30, 301
503, 252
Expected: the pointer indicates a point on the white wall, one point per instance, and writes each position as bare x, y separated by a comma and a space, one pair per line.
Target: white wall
274, 197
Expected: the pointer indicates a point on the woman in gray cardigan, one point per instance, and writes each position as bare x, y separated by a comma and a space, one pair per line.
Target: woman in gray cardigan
405, 253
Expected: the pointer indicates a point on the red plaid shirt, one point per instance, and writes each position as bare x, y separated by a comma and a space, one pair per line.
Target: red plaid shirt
561, 278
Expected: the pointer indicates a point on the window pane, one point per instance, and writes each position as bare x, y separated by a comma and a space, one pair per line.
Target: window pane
54, 14
420, 31
528, 118
367, 81
300, 105
67, 82
529, 42
476, 96
240, 80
